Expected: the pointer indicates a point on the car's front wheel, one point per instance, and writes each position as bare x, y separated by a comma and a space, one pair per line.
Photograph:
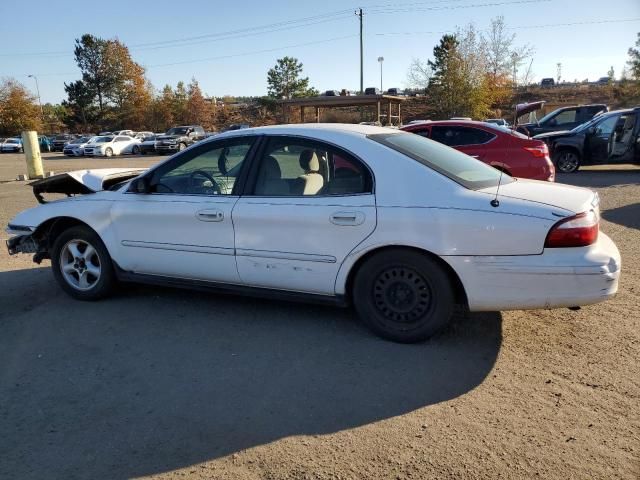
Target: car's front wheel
82, 265
403, 295
135, 150
108, 152
567, 161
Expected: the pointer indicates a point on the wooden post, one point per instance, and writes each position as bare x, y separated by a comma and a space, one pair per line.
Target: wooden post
399, 115
31, 148
317, 114
379, 113
301, 114
389, 122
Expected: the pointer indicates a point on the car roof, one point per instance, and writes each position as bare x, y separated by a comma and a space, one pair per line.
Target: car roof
470, 123
309, 129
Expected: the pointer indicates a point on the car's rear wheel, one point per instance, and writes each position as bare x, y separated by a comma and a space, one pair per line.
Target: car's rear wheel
403, 295
82, 265
567, 161
135, 150
108, 152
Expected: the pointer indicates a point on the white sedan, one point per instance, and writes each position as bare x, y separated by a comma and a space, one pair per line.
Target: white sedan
109, 145
399, 226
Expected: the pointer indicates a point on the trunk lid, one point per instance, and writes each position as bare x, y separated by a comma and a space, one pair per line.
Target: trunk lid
571, 199
82, 181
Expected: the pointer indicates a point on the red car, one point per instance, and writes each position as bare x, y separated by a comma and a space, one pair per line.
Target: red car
506, 150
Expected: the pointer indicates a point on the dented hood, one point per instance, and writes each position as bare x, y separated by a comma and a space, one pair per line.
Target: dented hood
83, 181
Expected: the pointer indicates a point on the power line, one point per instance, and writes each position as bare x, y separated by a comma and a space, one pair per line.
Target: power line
379, 9
547, 25
244, 54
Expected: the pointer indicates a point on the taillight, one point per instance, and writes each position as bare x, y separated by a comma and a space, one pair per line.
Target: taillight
577, 231
539, 151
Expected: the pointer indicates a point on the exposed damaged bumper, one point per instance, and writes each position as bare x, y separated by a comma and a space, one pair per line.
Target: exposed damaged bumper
22, 244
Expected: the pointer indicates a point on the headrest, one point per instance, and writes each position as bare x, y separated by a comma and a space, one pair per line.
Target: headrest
309, 161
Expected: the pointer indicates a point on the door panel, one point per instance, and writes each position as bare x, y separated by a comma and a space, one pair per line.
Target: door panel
299, 243
176, 235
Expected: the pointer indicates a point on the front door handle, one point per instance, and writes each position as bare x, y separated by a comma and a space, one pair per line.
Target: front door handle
347, 218
210, 215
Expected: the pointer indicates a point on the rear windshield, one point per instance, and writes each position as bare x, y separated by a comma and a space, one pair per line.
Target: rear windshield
463, 169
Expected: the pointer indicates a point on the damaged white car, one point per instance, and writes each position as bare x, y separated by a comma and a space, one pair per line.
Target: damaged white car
399, 226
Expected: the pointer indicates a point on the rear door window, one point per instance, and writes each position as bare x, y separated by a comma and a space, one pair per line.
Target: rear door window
456, 136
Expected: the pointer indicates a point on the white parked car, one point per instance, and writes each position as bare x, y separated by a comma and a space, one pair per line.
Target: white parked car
109, 145
11, 145
396, 224
75, 148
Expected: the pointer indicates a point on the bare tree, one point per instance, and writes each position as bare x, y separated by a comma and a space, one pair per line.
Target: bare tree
419, 74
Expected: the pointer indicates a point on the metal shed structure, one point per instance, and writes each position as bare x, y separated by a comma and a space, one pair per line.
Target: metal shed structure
381, 102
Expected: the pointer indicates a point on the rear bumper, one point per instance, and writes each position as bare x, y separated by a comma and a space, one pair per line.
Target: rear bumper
559, 277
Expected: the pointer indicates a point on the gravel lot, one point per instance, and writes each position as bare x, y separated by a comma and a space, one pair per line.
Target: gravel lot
169, 383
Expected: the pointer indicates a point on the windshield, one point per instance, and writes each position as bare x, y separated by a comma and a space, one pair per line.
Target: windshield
80, 140
62, 137
102, 140
13, 140
461, 168
177, 131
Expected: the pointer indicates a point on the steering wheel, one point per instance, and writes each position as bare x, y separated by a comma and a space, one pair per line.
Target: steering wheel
214, 186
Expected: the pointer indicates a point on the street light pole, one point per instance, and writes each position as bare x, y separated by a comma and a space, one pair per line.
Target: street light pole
39, 101
380, 60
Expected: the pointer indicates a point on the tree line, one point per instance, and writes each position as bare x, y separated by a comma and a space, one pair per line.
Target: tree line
469, 74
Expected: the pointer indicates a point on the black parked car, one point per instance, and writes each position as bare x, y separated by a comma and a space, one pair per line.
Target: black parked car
59, 141
612, 137
565, 118
148, 144
372, 91
179, 138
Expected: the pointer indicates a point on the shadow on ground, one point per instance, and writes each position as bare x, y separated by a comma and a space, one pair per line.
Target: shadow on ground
601, 178
158, 379
628, 215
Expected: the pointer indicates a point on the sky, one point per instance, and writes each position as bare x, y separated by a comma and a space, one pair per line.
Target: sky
229, 46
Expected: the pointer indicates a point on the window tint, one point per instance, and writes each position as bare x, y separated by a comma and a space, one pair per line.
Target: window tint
210, 170
459, 167
563, 118
606, 126
458, 136
297, 167
121, 139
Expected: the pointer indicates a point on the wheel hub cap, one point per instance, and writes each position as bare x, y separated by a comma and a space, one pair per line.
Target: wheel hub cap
402, 295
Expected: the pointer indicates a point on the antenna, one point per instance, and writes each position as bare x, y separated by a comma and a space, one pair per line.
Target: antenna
495, 202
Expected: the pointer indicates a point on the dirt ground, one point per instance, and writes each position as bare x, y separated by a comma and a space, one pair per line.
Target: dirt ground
163, 383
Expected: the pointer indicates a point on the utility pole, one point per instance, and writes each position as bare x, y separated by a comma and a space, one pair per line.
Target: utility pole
359, 15
380, 60
38, 90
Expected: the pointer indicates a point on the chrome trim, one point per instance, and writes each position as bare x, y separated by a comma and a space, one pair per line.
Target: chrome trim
304, 257
178, 247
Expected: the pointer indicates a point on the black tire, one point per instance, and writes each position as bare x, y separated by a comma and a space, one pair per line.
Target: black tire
103, 284
403, 296
566, 161
135, 150
181, 147
108, 152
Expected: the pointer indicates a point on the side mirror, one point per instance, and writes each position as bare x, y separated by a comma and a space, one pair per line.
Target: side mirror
140, 185
591, 130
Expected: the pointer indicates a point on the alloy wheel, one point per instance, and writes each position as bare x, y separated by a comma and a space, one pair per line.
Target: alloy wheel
567, 162
80, 264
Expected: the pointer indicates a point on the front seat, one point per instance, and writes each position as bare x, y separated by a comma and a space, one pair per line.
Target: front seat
311, 182
270, 180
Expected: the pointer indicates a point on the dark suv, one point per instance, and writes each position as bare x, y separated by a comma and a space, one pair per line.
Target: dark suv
178, 138
612, 137
565, 118
59, 141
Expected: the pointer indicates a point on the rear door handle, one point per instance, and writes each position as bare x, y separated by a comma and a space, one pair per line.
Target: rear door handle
210, 215
347, 218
